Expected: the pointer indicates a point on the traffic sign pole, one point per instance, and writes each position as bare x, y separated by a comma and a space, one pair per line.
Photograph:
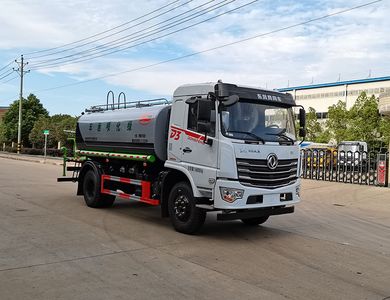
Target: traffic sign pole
45, 145
46, 133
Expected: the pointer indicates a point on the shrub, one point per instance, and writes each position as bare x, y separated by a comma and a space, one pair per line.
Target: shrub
34, 151
9, 149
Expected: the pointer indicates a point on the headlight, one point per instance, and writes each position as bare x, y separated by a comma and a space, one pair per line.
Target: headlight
298, 190
231, 195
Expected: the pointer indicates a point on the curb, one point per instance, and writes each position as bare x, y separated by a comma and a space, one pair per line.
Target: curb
49, 161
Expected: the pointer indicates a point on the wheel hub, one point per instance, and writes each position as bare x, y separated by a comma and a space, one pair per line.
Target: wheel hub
182, 208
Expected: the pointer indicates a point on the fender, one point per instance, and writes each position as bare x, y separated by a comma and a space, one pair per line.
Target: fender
167, 179
178, 167
88, 165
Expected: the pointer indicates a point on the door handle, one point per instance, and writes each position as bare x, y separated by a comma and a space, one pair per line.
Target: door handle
187, 150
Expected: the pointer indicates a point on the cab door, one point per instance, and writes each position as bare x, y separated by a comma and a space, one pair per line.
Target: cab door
199, 143
176, 131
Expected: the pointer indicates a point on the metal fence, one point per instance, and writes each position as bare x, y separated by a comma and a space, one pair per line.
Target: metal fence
358, 167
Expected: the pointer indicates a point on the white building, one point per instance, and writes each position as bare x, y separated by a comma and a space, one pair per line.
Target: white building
321, 96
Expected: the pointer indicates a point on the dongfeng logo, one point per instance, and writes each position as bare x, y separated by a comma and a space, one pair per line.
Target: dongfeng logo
272, 161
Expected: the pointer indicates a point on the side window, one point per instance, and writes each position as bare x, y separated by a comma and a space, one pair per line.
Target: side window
201, 115
193, 116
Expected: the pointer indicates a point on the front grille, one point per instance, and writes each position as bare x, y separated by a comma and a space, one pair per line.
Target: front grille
255, 173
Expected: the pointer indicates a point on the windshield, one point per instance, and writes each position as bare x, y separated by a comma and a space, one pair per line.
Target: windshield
249, 120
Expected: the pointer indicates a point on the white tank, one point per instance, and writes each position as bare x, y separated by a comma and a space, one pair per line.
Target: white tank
135, 130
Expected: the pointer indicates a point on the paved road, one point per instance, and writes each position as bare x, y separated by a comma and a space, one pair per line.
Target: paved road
336, 246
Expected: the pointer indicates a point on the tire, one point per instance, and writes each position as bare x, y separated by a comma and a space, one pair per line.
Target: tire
92, 196
255, 221
184, 215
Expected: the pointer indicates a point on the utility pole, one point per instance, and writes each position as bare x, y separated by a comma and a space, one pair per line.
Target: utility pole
21, 73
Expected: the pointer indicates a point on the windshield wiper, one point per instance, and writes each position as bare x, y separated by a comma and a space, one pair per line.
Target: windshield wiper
248, 133
282, 135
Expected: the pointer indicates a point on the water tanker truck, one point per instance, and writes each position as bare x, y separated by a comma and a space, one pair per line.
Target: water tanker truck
215, 147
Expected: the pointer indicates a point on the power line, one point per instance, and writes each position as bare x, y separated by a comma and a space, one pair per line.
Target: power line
6, 65
217, 47
4, 72
97, 55
103, 32
115, 33
6, 75
111, 50
8, 80
110, 43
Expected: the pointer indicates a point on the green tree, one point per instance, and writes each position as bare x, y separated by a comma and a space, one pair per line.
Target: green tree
32, 110
315, 131
36, 136
2, 134
324, 136
61, 123
338, 121
56, 125
364, 119
384, 129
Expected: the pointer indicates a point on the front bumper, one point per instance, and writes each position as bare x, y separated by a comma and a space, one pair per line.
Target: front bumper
267, 197
255, 213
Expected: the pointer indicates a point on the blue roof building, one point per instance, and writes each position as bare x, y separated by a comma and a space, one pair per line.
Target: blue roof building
322, 95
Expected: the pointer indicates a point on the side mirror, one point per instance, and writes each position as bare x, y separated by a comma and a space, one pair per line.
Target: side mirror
302, 118
192, 100
205, 127
204, 110
232, 99
302, 132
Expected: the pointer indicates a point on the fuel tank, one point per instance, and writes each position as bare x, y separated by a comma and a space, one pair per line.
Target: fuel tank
135, 130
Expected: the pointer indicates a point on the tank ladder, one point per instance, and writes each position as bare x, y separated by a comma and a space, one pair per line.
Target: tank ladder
111, 105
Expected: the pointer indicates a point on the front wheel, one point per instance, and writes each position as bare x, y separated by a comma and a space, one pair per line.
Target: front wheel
184, 215
92, 196
255, 221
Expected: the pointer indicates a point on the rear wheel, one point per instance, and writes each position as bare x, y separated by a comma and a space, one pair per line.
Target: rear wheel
184, 215
255, 221
92, 196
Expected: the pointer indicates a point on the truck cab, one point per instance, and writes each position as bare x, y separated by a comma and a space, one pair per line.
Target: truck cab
238, 147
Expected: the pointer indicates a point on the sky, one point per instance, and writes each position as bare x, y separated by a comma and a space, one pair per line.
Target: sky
352, 45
